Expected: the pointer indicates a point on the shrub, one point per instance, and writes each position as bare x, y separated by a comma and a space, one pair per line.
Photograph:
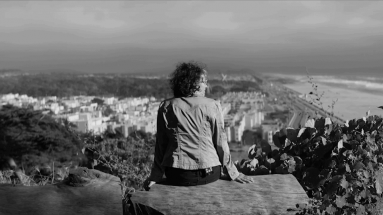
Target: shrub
131, 162
339, 166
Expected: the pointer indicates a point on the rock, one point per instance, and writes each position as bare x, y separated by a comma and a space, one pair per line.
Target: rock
85, 191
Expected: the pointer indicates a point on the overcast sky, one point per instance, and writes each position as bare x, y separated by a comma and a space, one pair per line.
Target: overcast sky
153, 36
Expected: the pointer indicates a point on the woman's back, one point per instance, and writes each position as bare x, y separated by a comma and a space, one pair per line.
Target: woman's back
188, 127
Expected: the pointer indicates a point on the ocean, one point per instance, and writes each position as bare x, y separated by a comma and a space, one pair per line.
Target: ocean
348, 97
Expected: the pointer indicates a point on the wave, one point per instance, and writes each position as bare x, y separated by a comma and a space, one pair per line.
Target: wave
353, 96
357, 82
353, 83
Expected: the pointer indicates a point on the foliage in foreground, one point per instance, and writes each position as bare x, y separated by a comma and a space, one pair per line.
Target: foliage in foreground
128, 158
339, 166
36, 177
31, 138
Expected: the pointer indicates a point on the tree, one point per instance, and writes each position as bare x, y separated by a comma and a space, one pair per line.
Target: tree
99, 101
218, 90
139, 135
108, 111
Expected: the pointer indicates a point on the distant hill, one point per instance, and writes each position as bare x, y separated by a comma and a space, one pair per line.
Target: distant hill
17, 72
71, 84
118, 85
11, 72
50, 71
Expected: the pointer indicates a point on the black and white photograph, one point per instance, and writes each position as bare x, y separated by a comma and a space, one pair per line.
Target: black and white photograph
191, 107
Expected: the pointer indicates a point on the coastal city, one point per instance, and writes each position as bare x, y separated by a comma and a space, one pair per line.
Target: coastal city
246, 114
242, 111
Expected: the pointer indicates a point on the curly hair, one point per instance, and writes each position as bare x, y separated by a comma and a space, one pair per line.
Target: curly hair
184, 81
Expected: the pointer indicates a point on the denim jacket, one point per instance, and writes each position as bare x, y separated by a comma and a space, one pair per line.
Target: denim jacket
191, 135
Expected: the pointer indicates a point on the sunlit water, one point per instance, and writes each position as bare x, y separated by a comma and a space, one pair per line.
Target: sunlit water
353, 97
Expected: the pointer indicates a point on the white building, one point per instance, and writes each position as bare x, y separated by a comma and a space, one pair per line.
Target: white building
234, 128
253, 119
70, 103
89, 122
269, 128
109, 100
127, 129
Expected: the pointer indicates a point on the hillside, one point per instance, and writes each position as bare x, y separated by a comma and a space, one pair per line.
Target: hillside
118, 85
32, 138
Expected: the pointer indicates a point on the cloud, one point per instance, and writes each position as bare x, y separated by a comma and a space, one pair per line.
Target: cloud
97, 17
356, 21
313, 19
237, 33
216, 21
312, 5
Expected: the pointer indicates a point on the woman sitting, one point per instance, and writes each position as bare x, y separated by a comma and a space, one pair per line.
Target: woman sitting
191, 144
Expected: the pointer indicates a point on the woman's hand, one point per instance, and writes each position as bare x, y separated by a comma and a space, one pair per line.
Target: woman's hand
243, 179
148, 184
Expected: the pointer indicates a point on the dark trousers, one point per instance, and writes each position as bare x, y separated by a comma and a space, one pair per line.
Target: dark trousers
182, 177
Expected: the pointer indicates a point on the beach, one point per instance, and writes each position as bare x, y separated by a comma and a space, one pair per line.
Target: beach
347, 97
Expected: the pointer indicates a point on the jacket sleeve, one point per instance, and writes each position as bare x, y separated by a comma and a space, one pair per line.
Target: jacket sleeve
221, 145
158, 170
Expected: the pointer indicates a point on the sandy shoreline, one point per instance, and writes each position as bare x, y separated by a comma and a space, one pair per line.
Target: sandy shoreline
350, 102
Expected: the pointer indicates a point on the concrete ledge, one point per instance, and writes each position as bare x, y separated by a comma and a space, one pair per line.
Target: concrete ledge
269, 194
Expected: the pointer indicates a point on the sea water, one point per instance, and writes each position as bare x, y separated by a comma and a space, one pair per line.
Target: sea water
348, 97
